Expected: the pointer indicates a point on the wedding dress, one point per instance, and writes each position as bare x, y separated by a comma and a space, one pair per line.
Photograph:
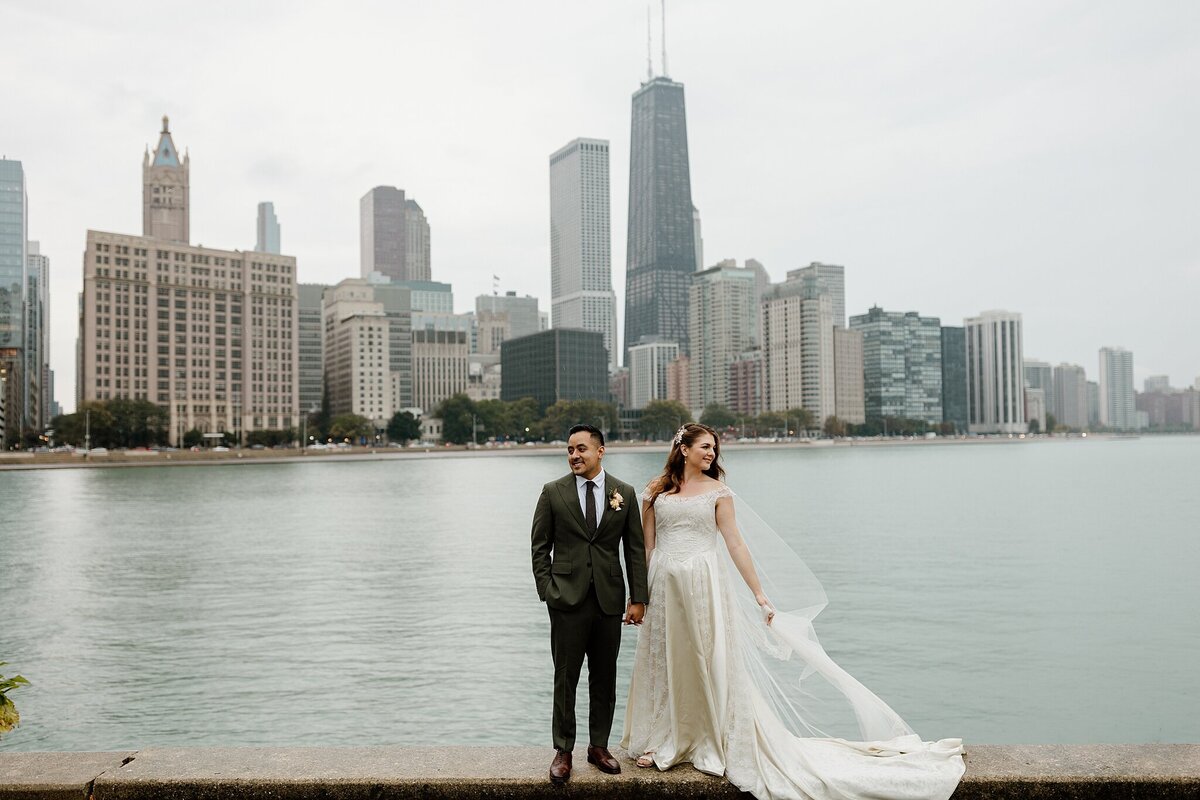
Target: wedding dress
715, 686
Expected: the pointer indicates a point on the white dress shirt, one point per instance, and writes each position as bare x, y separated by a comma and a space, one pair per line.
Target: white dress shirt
598, 493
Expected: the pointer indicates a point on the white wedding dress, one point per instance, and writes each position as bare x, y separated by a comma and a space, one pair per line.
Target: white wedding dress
714, 686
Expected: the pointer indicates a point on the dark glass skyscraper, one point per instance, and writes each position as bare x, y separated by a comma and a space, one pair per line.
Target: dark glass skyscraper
660, 254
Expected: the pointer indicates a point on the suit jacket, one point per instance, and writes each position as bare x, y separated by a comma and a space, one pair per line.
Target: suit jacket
567, 560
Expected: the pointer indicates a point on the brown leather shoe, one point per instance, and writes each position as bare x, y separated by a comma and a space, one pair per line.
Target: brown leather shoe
560, 767
603, 760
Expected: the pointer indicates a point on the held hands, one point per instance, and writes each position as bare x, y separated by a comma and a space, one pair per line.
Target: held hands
765, 606
634, 613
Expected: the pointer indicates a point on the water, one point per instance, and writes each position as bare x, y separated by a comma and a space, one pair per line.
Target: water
1040, 592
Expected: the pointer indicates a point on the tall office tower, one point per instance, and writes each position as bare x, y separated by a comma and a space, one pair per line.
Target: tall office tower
367, 345
699, 240
14, 232
37, 338
1035, 407
310, 362
954, 377
995, 383
902, 364
848, 388
268, 230
660, 252
432, 297
1158, 383
1071, 396
723, 323
557, 364
166, 199
832, 280
648, 362
1093, 399
581, 290
797, 341
1117, 409
1040, 375
417, 247
393, 236
441, 347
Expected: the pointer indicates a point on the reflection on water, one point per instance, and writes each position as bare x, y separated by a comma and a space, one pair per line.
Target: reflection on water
1033, 593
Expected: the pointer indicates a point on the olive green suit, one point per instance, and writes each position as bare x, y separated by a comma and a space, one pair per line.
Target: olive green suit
579, 577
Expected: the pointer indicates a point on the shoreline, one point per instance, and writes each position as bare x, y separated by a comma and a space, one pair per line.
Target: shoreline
184, 458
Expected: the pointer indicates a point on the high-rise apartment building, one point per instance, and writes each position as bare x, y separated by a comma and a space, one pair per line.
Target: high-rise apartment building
38, 396
1093, 399
660, 253
14, 233
268, 234
166, 192
1117, 407
208, 334
746, 383
902, 364
995, 379
954, 377
1157, 383
393, 236
832, 281
648, 366
848, 367
723, 323
310, 362
798, 346
1071, 396
1040, 375
581, 290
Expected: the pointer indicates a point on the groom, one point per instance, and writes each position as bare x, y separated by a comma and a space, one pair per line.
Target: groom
578, 524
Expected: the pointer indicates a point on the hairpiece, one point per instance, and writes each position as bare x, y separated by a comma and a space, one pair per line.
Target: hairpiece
679, 434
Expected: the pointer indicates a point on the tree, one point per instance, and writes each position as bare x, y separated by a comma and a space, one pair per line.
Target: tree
661, 418
798, 420
718, 417
769, 423
834, 426
565, 414
458, 414
1051, 423
352, 427
403, 427
1035, 425
523, 417
192, 438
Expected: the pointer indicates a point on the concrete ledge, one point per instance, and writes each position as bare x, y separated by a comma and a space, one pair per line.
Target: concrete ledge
1044, 772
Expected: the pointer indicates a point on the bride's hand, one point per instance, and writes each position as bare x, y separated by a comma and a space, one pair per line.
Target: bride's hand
767, 609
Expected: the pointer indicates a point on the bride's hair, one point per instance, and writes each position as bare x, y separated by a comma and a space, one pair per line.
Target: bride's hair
672, 475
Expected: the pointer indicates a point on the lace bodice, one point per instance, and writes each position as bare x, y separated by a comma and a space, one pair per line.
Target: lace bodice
687, 526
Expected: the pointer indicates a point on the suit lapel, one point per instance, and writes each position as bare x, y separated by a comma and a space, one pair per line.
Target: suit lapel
610, 485
570, 496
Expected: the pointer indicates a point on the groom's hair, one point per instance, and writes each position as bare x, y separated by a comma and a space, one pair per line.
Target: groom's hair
596, 433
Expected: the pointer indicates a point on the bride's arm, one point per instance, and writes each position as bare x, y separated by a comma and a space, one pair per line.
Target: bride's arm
727, 523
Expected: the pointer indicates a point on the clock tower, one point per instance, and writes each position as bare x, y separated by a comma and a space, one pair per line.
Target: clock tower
165, 197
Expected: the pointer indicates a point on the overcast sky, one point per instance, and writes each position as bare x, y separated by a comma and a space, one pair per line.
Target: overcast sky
1040, 157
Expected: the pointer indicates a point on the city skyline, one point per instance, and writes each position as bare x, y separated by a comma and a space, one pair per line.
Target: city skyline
1028, 169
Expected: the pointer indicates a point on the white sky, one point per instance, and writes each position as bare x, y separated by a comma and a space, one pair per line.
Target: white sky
1039, 157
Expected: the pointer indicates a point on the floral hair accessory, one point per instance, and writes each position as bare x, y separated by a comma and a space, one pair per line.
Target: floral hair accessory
679, 435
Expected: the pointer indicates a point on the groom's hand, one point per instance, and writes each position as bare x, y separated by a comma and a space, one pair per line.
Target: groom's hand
634, 613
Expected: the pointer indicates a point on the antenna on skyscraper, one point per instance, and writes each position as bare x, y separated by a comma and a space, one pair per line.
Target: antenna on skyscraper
664, 39
649, 58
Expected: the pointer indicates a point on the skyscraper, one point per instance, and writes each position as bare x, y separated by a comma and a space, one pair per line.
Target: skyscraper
1071, 396
1117, 408
37, 338
661, 242
14, 231
995, 380
902, 364
798, 347
581, 291
954, 377
723, 323
393, 236
166, 198
648, 362
268, 230
832, 278
1040, 375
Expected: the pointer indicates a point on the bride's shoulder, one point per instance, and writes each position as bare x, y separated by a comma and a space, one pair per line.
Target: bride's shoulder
717, 487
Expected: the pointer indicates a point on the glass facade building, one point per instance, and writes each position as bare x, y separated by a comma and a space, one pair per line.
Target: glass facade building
13, 286
553, 365
268, 230
954, 377
661, 244
902, 364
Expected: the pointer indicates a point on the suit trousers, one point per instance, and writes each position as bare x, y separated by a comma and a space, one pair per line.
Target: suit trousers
584, 631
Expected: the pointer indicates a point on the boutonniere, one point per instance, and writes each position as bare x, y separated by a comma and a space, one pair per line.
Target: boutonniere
616, 502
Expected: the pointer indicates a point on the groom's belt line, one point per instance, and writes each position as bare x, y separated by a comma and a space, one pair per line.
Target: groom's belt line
1048, 772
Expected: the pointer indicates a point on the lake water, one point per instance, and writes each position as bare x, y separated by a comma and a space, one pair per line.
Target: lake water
1034, 592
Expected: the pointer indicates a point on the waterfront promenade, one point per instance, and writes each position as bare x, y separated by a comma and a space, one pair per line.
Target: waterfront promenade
1047, 772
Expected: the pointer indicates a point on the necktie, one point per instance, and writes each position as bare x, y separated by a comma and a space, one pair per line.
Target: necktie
590, 507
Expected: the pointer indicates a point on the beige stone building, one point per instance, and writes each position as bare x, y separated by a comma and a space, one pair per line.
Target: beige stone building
358, 373
798, 348
210, 335
849, 397
441, 344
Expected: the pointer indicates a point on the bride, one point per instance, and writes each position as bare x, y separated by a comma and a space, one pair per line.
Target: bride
739, 687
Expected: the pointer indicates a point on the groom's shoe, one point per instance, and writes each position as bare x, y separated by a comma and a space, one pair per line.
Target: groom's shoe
603, 760
560, 767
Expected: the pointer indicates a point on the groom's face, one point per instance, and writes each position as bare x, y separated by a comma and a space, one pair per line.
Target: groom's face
584, 454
